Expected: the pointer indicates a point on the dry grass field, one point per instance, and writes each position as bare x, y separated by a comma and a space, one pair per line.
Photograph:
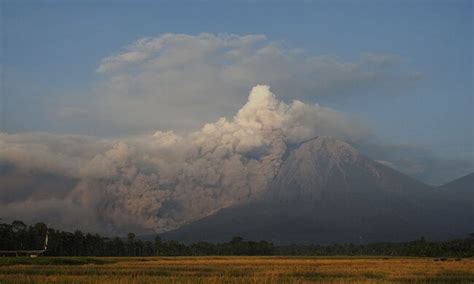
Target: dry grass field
235, 270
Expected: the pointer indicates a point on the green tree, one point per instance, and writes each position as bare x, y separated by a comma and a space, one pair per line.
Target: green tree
131, 244
158, 245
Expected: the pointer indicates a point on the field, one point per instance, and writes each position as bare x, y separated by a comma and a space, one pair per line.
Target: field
235, 270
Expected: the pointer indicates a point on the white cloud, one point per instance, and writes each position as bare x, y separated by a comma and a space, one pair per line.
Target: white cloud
180, 81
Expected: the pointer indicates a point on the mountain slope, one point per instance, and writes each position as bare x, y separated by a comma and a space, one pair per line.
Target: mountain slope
462, 187
326, 192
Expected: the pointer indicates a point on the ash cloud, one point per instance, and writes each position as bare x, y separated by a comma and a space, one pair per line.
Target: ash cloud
181, 81
159, 182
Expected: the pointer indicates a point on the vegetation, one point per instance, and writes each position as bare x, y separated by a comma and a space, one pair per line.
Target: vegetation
19, 236
69, 260
240, 269
421, 248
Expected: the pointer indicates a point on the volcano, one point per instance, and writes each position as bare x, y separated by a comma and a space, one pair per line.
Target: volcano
326, 192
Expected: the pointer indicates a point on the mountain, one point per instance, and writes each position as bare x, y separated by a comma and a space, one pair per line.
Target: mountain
327, 192
462, 187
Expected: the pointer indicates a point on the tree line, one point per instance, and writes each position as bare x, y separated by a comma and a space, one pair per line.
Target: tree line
19, 236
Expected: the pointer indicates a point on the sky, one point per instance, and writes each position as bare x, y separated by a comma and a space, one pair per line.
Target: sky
401, 68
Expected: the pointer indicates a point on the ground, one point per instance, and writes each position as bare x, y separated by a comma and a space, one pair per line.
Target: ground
235, 270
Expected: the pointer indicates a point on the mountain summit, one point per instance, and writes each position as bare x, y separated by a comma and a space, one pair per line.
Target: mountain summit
325, 166
325, 191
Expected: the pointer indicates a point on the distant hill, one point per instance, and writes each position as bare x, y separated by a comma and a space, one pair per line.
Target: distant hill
326, 192
462, 187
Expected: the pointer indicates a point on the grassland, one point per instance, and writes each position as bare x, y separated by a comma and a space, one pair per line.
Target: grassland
235, 270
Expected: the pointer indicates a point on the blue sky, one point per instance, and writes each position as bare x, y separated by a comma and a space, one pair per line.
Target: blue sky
51, 50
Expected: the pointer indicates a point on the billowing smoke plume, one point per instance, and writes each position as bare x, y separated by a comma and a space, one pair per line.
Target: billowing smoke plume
161, 181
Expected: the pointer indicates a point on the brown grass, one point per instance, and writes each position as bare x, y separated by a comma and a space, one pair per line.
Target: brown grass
241, 270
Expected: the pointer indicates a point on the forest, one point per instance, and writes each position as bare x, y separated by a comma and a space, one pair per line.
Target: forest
20, 236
